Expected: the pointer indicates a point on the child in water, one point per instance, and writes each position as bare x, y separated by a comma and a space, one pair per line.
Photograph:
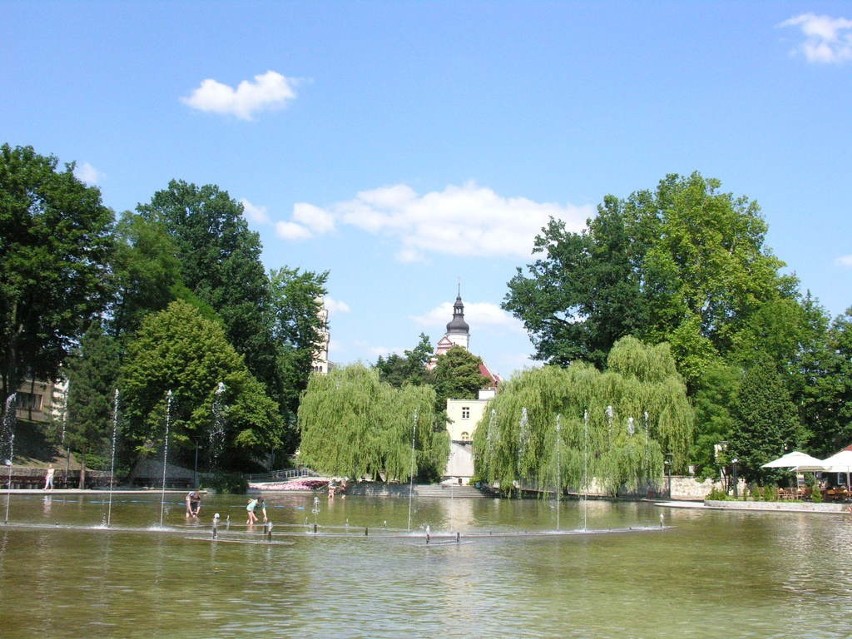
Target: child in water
252, 518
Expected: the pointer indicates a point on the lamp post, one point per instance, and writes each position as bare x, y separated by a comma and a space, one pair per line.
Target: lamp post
736, 482
668, 464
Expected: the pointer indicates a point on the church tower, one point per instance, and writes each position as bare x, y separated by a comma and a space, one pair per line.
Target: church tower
458, 331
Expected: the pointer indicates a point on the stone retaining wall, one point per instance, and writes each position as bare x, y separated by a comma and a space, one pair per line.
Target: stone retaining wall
690, 489
780, 506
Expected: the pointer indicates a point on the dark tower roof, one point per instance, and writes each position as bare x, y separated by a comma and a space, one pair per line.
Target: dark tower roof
457, 324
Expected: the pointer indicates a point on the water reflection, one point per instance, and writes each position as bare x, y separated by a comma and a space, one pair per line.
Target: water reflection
714, 573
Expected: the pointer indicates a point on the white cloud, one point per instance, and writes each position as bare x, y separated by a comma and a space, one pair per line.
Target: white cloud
483, 315
376, 352
335, 306
291, 231
466, 220
306, 222
827, 40
844, 261
315, 219
85, 172
255, 213
270, 90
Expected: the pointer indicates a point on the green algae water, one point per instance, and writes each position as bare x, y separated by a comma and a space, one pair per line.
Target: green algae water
353, 568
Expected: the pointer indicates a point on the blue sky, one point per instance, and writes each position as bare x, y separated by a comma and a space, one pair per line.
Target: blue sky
409, 146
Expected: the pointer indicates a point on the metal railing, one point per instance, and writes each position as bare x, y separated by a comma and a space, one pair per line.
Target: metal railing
283, 475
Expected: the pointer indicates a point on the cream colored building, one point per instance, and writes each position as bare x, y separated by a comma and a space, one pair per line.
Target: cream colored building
463, 415
41, 401
320, 363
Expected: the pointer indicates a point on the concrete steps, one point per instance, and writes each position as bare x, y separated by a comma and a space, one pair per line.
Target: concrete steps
420, 490
448, 492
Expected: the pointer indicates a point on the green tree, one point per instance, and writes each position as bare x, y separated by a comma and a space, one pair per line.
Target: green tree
220, 263
765, 420
353, 424
146, 272
393, 369
584, 293
298, 330
685, 264
458, 376
827, 398
714, 402
614, 427
179, 351
92, 382
55, 245
409, 368
794, 335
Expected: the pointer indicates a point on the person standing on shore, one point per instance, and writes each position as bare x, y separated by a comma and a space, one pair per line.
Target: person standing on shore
48, 478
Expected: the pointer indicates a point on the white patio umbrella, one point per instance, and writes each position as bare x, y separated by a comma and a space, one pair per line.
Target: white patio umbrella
800, 462
797, 462
840, 463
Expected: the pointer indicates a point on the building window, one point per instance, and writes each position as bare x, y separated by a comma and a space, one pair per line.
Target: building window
465, 412
465, 436
28, 401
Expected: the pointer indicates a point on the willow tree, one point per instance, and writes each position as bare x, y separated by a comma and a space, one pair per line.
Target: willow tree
576, 425
353, 424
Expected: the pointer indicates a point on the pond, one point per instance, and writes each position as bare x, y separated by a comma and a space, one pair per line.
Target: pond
367, 571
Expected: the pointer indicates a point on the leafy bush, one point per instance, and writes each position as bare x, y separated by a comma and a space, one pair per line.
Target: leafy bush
717, 494
98, 462
225, 483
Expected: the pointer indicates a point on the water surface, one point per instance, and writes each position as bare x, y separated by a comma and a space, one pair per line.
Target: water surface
364, 573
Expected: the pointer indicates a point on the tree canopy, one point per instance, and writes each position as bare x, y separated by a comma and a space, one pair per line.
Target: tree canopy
146, 270
55, 247
220, 263
92, 371
457, 375
766, 424
685, 263
180, 352
298, 328
409, 368
355, 425
614, 426
176, 294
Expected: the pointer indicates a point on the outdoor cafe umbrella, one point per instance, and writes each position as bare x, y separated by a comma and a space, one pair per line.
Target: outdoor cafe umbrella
798, 462
840, 463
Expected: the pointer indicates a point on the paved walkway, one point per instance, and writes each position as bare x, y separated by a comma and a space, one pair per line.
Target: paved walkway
93, 491
680, 504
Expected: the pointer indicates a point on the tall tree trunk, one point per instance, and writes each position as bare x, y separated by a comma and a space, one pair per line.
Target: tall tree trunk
82, 471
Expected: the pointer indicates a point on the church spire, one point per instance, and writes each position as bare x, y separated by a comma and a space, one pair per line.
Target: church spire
458, 331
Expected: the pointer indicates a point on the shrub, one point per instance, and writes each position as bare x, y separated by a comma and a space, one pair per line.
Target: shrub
225, 483
717, 494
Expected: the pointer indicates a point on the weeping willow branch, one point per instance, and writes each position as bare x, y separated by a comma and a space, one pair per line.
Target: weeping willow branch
353, 424
637, 412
